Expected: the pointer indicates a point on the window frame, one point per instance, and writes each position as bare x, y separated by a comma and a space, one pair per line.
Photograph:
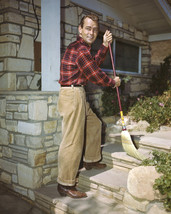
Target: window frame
114, 51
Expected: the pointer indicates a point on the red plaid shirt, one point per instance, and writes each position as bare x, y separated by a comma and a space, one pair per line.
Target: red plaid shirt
78, 66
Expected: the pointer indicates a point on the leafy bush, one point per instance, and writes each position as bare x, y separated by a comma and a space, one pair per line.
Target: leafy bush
155, 110
162, 163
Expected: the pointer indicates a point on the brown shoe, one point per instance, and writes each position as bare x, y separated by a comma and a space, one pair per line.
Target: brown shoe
70, 191
95, 165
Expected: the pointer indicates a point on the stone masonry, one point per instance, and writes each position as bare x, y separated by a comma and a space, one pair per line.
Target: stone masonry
18, 28
30, 134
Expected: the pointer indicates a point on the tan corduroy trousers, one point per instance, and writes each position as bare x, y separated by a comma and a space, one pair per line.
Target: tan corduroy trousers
80, 127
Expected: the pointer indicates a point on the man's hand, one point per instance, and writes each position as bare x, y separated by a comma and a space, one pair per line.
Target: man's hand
117, 81
107, 37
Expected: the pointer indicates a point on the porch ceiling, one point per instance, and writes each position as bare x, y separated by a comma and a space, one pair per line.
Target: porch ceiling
146, 15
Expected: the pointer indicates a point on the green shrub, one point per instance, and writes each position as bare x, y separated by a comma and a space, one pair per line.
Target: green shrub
155, 110
162, 163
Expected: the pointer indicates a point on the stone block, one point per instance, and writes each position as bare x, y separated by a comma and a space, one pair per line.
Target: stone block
12, 125
10, 29
8, 49
26, 49
29, 177
14, 178
29, 128
36, 157
6, 152
1, 66
37, 110
157, 209
9, 115
68, 28
31, 195
138, 35
11, 64
5, 177
49, 143
19, 189
135, 204
34, 142
19, 140
22, 83
28, 30
57, 138
140, 183
12, 107
46, 179
51, 157
22, 108
8, 166
1, 18
2, 123
11, 138
53, 112
24, 6
10, 38
14, 17
50, 126
70, 16
2, 107
33, 84
10, 3
20, 116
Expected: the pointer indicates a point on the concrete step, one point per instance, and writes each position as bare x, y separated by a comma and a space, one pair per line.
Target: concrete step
49, 200
110, 183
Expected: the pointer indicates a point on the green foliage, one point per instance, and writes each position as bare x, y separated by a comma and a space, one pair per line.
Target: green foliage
155, 110
162, 163
161, 80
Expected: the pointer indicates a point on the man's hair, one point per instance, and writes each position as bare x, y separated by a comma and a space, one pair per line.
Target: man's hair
90, 16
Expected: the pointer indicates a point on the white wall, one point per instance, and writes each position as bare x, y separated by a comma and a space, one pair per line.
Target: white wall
50, 12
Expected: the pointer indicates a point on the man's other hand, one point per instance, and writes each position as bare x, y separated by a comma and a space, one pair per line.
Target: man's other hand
117, 81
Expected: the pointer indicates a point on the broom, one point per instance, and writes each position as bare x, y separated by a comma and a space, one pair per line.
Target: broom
127, 143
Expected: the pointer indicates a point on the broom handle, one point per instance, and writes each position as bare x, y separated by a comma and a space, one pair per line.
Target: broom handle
119, 101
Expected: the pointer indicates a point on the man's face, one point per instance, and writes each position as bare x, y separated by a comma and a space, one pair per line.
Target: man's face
89, 31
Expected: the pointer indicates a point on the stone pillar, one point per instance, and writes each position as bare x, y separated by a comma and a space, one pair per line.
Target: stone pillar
50, 44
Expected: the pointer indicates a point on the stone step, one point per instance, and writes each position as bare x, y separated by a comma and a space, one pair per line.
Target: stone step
156, 141
115, 157
48, 199
109, 182
151, 143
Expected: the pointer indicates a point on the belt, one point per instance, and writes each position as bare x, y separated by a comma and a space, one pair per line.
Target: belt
72, 85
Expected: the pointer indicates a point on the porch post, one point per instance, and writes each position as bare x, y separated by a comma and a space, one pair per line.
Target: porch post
50, 13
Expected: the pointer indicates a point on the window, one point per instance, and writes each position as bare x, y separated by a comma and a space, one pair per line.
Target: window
37, 56
127, 57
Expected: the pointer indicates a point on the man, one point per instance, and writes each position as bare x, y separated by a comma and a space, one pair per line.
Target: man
80, 126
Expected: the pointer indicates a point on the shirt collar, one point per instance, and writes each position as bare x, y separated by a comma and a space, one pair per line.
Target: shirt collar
81, 40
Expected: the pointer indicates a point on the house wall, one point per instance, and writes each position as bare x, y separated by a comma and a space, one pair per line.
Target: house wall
30, 134
18, 28
160, 50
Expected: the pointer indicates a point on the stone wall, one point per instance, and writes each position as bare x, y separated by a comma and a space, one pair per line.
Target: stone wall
30, 133
160, 50
18, 28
